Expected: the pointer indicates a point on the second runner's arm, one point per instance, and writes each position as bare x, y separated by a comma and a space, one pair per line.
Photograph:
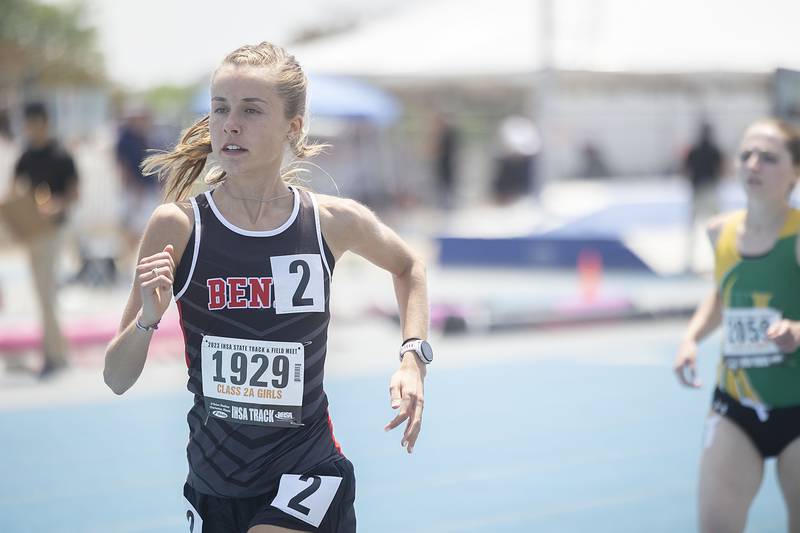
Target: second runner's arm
706, 318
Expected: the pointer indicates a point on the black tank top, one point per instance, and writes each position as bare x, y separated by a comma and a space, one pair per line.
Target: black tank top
254, 308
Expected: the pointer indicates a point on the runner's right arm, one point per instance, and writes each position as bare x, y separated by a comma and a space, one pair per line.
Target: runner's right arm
705, 320
162, 246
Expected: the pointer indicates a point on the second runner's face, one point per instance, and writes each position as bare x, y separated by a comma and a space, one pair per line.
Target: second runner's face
765, 165
248, 125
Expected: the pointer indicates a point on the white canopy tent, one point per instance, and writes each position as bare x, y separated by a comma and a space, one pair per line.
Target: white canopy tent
454, 38
647, 71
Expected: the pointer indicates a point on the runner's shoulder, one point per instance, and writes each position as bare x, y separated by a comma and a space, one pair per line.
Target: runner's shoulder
715, 225
173, 216
170, 223
342, 215
344, 222
336, 207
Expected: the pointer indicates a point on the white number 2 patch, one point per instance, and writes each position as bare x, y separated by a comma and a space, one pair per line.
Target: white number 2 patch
193, 519
299, 283
306, 497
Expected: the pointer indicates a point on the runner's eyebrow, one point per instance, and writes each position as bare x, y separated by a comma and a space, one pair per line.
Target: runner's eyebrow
248, 99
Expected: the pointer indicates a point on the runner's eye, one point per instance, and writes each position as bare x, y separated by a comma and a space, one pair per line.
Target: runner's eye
769, 157
766, 157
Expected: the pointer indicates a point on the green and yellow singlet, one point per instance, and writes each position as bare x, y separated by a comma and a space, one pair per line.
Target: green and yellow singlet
757, 291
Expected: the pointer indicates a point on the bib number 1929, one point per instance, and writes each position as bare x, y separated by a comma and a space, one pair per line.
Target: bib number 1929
238, 370
251, 381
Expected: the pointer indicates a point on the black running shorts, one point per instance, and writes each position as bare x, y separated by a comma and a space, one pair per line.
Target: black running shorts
769, 436
319, 500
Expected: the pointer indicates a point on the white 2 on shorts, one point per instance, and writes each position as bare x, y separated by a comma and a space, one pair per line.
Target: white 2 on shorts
306, 497
193, 519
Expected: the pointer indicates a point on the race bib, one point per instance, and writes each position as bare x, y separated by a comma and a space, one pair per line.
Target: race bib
299, 283
253, 382
745, 335
306, 497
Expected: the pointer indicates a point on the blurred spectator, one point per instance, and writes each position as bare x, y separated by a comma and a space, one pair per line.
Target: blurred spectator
5, 127
45, 176
593, 163
515, 167
703, 167
7, 149
446, 146
141, 193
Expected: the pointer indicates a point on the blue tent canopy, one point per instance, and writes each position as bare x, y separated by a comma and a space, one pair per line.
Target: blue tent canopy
335, 97
341, 97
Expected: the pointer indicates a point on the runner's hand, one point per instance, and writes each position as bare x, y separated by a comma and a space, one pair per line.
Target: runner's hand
407, 395
785, 334
685, 365
155, 275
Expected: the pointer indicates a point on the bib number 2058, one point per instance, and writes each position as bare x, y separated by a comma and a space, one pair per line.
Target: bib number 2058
745, 331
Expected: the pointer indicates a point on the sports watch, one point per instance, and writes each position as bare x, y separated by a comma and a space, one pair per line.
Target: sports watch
420, 347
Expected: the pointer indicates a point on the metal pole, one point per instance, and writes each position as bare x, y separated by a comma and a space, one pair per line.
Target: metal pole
546, 168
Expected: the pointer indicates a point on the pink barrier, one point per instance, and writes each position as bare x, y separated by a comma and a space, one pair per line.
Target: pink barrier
78, 334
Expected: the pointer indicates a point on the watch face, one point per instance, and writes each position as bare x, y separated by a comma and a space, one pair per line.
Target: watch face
427, 351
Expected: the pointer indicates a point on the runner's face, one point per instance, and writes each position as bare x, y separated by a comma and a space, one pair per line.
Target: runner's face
247, 113
764, 164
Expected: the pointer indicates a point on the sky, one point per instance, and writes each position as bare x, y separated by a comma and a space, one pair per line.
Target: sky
154, 42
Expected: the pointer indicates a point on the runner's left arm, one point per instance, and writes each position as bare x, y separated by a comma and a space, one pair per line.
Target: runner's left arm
786, 333
355, 228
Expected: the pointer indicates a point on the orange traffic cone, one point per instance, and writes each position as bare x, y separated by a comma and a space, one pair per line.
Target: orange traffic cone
590, 274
